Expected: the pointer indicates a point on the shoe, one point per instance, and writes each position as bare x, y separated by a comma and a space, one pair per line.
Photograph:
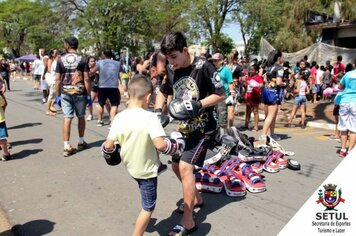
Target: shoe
6, 157
90, 117
303, 126
342, 154
44, 100
82, 146
276, 137
100, 123
68, 151
162, 168
291, 125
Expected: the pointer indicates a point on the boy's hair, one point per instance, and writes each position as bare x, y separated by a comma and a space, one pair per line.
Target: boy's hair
339, 58
139, 86
72, 42
173, 41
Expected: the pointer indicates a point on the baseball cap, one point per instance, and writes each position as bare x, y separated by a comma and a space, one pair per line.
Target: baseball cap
217, 56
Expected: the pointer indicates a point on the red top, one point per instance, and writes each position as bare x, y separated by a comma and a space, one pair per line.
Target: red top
253, 93
338, 67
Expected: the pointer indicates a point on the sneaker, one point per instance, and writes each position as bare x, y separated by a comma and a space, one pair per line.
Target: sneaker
90, 117
303, 126
6, 157
68, 151
342, 154
82, 146
162, 168
275, 137
100, 123
291, 125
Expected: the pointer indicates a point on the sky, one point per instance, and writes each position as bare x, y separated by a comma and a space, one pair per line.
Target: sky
233, 31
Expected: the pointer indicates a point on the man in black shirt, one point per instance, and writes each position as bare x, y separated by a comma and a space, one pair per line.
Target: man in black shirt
193, 80
73, 86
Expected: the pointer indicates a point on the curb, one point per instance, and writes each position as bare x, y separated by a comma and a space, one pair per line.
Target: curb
313, 124
321, 125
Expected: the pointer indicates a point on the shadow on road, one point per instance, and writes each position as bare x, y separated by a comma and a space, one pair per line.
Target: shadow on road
25, 153
23, 142
25, 125
32, 228
323, 111
212, 203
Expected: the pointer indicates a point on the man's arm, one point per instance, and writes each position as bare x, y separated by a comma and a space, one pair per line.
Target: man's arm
87, 82
212, 100
58, 84
160, 100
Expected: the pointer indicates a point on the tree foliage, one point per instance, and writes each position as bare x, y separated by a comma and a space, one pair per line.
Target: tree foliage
27, 25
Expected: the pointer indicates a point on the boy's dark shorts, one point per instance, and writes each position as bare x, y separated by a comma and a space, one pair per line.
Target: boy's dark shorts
336, 110
195, 150
112, 94
148, 190
3, 131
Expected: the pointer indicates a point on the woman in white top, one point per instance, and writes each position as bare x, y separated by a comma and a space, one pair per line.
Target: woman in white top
50, 79
300, 99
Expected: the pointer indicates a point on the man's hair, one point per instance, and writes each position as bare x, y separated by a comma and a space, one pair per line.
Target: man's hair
108, 53
139, 86
273, 56
339, 58
72, 42
173, 41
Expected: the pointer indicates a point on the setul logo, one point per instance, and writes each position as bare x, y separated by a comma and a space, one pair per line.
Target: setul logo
330, 198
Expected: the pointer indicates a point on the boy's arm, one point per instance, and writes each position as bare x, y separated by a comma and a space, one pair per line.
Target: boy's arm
109, 145
173, 145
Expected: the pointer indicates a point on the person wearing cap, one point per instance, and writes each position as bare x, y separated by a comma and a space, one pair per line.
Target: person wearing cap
226, 107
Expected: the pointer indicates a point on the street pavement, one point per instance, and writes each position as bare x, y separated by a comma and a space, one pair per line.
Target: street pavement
44, 193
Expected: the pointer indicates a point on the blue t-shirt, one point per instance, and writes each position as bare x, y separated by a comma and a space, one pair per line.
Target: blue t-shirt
108, 73
349, 83
225, 75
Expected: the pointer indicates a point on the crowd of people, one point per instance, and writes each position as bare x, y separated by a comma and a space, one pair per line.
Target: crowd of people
208, 88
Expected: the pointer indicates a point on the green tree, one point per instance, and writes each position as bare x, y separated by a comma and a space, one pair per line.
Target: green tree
209, 16
258, 20
27, 25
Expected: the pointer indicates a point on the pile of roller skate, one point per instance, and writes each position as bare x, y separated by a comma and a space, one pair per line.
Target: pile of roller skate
238, 163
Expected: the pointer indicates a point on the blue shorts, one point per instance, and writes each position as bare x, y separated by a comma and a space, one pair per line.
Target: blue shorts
300, 100
3, 131
148, 190
73, 103
314, 89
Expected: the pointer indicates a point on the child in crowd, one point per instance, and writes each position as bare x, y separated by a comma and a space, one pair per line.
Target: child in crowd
253, 95
3, 129
139, 133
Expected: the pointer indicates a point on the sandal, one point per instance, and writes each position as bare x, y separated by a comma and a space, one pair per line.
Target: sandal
254, 183
207, 182
180, 230
180, 208
234, 186
270, 164
257, 167
280, 160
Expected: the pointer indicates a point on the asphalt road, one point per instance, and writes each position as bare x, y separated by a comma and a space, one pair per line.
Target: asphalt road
44, 193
